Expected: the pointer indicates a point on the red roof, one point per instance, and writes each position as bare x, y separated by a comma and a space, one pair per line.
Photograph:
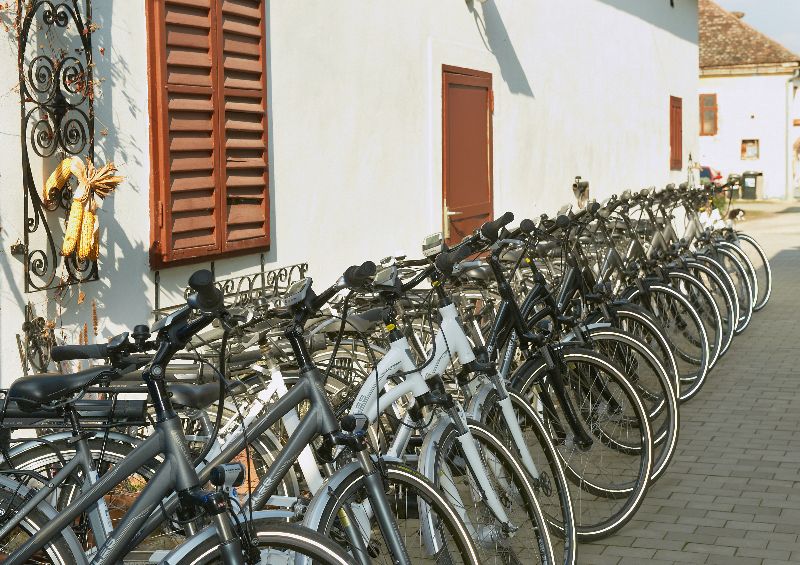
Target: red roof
727, 41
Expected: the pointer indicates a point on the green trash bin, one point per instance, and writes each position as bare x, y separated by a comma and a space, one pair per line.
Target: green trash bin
752, 185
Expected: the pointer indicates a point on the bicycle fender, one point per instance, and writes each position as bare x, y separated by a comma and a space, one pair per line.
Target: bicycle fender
183, 550
475, 407
64, 436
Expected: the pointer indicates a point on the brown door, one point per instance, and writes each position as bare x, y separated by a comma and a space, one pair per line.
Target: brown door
467, 151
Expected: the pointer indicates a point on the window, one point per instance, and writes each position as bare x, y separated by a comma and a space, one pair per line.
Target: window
210, 172
675, 133
708, 114
749, 149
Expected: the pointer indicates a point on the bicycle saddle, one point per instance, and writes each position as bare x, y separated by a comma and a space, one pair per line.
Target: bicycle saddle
477, 270
33, 391
361, 322
199, 396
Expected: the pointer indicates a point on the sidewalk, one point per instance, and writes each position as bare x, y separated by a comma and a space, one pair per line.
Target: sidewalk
732, 493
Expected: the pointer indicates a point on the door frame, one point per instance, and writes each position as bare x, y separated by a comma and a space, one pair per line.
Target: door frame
467, 77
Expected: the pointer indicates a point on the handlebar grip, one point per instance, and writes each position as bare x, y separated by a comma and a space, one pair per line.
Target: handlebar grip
207, 296
445, 262
70, 352
359, 275
489, 230
527, 226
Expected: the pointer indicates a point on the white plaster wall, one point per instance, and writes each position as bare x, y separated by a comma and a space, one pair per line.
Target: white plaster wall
581, 88
750, 107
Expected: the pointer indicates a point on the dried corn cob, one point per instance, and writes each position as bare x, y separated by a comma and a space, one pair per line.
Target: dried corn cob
86, 240
73, 228
57, 179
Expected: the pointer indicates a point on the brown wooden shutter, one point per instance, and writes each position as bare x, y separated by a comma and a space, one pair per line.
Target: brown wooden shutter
208, 113
675, 133
242, 75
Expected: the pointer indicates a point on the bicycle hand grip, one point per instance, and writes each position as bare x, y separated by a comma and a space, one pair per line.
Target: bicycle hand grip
527, 226
207, 296
489, 230
359, 275
70, 352
445, 262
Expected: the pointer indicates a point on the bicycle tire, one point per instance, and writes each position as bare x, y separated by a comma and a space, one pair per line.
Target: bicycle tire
608, 518
324, 512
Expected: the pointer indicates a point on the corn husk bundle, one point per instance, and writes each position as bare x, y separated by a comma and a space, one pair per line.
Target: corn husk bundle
83, 230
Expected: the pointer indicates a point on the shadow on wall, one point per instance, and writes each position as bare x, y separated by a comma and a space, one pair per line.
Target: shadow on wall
495, 36
123, 261
669, 15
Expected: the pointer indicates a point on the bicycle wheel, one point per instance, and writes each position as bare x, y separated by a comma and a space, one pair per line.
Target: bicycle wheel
684, 330
741, 283
651, 381
277, 544
749, 268
441, 537
529, 541
549, 480
45, 460
703, 303
719, 292
608, 479
763, 270
57, 552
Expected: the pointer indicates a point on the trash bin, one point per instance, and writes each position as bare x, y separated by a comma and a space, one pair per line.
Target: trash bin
752, 185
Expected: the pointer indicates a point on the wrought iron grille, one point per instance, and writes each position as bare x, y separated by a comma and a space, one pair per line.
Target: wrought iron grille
57, 121
243, 290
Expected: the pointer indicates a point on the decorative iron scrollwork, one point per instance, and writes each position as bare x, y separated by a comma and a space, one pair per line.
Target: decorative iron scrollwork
246, 289
39, 340
57, 114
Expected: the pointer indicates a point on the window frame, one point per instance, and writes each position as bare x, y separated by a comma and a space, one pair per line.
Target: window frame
158, 106
675, 133
754, 143
715, 108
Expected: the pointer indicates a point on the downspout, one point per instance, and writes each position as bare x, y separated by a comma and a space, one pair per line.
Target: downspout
790, 86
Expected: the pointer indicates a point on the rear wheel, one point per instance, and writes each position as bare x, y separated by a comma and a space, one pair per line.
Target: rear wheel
57, 552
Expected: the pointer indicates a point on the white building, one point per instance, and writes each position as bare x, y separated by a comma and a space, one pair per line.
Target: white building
750, 111
377, 114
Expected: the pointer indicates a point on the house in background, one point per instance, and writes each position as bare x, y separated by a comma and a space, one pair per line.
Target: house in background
749, 107
255, 135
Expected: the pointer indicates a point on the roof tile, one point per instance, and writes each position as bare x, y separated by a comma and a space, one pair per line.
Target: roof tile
727, 41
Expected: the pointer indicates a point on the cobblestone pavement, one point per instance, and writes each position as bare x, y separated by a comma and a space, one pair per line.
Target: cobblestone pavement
732, 493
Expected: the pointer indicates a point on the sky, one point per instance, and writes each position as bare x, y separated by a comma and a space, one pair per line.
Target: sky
779, 19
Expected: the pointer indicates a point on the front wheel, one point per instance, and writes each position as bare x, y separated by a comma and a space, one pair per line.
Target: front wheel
609, 478
428, 525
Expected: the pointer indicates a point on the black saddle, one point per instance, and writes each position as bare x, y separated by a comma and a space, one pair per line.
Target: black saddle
361, 322
199, 396
33, 391
476, 270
